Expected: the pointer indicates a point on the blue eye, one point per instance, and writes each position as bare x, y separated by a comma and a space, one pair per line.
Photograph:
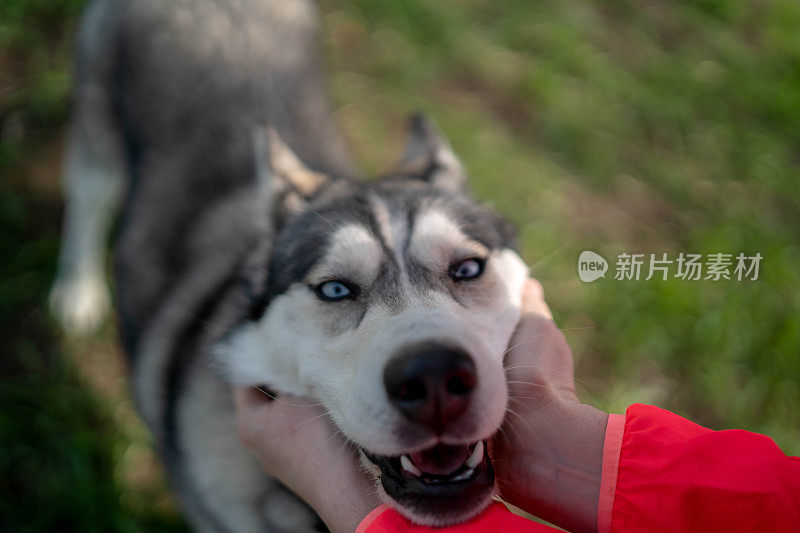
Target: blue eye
333, 291
467, 269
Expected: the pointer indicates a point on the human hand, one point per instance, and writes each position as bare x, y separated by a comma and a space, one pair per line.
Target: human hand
548, 454
298, 444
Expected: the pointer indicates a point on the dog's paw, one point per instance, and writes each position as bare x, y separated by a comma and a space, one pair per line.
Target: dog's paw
80, 303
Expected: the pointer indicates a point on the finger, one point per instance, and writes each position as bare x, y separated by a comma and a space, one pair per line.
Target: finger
538, 351
533, 299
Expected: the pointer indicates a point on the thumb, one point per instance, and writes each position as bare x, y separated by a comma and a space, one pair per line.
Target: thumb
533, 299
538, 354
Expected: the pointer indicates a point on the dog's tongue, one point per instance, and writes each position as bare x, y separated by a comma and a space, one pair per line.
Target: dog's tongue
440, 460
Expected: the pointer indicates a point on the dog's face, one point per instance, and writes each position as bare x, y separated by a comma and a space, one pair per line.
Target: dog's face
393, 303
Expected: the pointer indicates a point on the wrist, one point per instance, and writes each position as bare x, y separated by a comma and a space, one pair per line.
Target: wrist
560, 470
344, 502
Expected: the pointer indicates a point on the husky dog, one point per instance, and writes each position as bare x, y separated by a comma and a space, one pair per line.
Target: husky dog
247, 256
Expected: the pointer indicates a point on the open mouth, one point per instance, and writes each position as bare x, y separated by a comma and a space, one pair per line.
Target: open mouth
438, 480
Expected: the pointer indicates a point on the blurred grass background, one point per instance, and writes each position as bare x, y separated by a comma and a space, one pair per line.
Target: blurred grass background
613, 126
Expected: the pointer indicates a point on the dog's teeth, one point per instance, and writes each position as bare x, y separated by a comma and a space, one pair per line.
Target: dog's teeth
476, 457
408, 466
463, 475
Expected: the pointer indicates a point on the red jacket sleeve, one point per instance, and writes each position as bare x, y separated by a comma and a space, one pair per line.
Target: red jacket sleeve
663, 473
496, 518
673, 475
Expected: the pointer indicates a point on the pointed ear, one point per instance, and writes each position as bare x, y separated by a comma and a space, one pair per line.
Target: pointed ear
284, 181
429, 156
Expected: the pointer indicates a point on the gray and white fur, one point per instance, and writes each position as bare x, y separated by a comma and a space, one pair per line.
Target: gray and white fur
206, 122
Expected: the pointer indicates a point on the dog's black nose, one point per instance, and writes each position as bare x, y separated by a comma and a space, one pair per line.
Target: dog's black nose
431, 384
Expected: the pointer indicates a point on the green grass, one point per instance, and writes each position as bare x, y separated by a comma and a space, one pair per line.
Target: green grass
617, 128
611, 126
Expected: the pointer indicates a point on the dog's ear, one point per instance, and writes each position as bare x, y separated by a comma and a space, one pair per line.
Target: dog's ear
429, 156
285, 182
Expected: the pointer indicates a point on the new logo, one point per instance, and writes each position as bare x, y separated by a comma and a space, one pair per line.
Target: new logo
591, 266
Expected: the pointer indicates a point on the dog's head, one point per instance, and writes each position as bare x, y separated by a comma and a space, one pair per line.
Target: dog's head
392, 303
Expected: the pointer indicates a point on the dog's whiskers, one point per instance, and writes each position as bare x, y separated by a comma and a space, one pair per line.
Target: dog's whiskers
278, 399
504, 434
545, 333
518, 398
527, 383
507, 436
550, 370
510, 410
301, 424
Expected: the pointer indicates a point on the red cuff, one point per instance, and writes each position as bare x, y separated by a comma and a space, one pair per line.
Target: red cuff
608, 480
365, 524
